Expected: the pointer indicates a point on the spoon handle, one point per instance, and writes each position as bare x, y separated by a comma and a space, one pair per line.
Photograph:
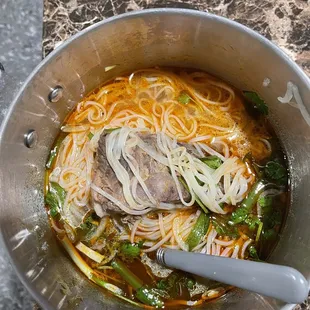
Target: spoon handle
281, 282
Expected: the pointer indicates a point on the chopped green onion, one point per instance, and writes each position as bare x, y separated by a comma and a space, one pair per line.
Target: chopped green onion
149, 297
184, 97
90, 135
109, 130
220, 224
95, 256
253, 195
199, 230
55, 198
126, 274
265, 201
197, 199
259, 231
247, 204
212, 161
143, 293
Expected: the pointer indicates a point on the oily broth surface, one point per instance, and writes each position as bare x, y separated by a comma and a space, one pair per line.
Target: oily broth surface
226, 118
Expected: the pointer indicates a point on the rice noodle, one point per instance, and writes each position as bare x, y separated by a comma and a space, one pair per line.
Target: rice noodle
293, 92
180, 163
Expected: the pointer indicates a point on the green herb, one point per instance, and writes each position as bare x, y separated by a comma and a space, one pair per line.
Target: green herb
253, 195
53, 212
143, 293
253, 252
265, 201
89, 226
54, 151
221, 227
256, 101
274, 171
184, 98
199, 230
126, 274
269, 234
246, 207
149, 297
140, 244
272, 218
239, 215
130, 250
55, 198
197, 199
175, 283
252, 221
212, 161
190, 283
90, 135
109, 130
162, 284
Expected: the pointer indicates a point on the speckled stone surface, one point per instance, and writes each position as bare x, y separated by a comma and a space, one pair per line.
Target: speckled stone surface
285, 22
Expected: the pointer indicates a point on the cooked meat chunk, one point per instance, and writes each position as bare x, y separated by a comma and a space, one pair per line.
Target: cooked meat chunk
155, 175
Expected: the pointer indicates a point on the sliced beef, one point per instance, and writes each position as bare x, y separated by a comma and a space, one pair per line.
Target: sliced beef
155, 175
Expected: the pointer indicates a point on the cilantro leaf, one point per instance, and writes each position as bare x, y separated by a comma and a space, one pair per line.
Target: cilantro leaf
130, 250
276, 172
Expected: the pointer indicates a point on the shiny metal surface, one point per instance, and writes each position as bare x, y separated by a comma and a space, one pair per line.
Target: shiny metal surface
138, 40
55, 94
30, 138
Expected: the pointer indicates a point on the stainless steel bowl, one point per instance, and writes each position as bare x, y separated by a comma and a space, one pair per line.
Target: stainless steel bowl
164, 37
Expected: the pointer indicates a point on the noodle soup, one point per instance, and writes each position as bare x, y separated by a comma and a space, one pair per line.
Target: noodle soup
165, 158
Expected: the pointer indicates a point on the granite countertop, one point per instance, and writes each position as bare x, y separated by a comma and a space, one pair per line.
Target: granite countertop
285, 22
